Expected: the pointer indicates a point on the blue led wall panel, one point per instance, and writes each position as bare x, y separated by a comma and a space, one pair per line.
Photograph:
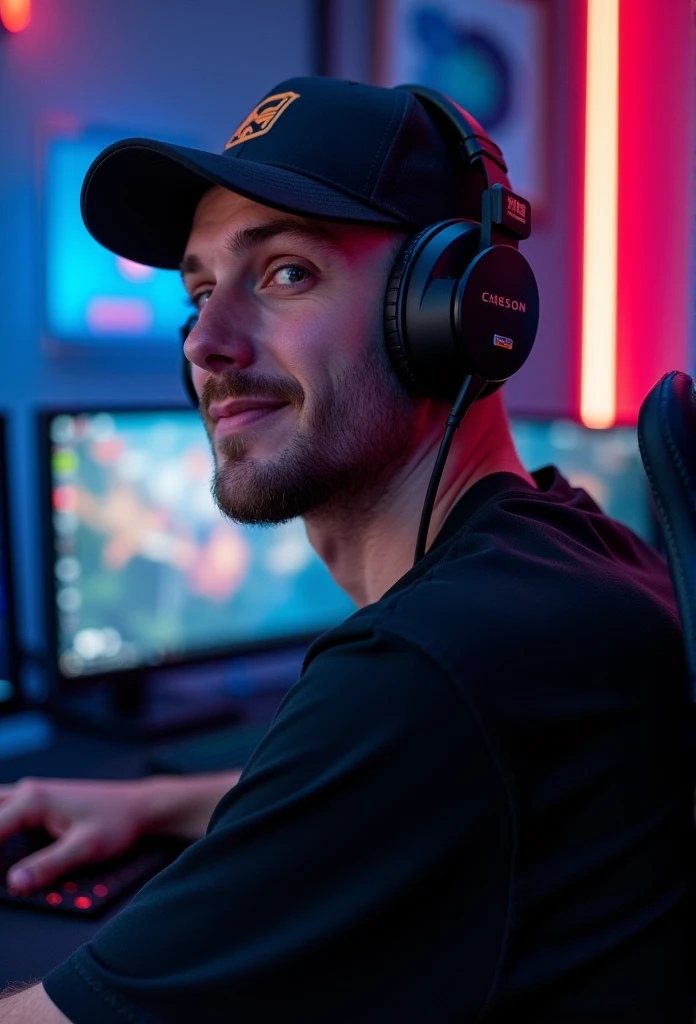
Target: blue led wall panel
91, 296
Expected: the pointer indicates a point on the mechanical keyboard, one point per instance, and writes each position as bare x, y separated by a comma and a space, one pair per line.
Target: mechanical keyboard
88, 888
213, 752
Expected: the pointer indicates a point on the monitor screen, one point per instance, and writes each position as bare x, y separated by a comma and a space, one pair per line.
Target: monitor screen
605, 463
9, 683
145, 569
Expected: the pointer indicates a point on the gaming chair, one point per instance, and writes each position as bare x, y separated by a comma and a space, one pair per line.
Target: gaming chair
667, 441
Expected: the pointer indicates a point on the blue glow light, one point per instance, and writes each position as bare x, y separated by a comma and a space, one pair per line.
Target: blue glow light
91, 296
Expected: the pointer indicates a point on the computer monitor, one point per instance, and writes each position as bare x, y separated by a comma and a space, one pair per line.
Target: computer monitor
144, 570
606, 463
9, 659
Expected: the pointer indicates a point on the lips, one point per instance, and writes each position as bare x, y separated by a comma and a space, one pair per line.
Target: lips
236, 417
235, 406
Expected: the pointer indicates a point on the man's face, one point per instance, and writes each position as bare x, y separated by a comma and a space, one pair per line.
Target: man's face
301, 406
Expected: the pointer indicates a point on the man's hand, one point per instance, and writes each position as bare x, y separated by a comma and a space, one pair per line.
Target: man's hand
90, 822
32, 1006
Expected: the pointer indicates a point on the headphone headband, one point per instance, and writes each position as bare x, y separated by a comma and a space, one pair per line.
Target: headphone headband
477, 148
475, 144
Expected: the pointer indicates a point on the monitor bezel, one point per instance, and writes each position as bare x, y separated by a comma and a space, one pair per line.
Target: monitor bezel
59, 682
14, 650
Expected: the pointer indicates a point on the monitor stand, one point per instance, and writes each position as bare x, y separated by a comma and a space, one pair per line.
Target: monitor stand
150, 705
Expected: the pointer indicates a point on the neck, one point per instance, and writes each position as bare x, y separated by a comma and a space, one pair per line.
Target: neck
367, 553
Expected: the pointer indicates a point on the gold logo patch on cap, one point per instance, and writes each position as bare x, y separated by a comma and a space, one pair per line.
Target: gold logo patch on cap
262, 118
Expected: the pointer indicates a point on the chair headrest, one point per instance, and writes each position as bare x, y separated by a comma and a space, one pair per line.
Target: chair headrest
667, 441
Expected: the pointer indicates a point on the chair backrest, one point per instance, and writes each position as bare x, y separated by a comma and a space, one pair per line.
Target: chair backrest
667, 441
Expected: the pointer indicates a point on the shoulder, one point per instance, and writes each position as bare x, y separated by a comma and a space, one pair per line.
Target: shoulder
526, 591
527, 569
360, 676
374, 718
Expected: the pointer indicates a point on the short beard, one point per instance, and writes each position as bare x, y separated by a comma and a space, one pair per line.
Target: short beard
360, 432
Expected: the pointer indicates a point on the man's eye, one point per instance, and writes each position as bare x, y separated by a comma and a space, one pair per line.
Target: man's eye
289, 275
195, 300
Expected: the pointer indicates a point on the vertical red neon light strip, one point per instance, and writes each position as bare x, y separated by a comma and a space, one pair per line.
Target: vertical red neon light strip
598, 374
15, 15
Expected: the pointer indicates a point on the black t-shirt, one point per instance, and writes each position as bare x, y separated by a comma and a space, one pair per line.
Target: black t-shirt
474, 805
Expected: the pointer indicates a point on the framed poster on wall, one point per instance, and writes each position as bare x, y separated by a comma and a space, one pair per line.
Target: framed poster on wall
492, 58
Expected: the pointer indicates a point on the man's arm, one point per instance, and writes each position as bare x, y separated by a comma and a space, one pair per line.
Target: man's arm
30, 1006
181, 806
370, 827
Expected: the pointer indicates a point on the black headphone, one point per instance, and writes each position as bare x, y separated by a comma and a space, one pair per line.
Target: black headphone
461, 308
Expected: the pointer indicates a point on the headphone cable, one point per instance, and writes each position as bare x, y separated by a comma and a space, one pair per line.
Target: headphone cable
469, 392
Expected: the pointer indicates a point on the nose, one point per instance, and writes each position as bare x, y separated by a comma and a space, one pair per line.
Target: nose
214, 340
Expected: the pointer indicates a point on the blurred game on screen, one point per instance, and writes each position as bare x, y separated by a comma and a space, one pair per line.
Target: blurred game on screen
147, 569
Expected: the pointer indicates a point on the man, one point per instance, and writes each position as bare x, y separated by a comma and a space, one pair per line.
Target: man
475, 803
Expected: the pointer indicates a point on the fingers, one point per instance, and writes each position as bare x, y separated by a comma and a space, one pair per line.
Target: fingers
8, 789
42, 867
24, 811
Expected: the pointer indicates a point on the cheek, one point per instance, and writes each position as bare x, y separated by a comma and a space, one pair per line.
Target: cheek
345, 332
311, 345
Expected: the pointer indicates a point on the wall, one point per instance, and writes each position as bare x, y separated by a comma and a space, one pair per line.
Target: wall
657, 76
195, 72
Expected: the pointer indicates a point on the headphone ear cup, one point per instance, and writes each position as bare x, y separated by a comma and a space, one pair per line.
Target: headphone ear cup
427, 356
400, 358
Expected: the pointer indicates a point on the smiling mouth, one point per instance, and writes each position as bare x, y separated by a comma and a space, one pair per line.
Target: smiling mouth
226, 426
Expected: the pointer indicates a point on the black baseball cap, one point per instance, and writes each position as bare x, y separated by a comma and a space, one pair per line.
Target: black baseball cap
315, 147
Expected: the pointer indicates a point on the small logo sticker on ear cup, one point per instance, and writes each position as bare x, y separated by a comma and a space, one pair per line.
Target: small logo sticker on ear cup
502, 342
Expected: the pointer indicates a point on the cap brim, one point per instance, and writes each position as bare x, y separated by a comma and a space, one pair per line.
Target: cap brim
139, 197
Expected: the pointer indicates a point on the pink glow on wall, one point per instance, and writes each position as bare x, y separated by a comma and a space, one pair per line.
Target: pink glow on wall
656, 101
119, 315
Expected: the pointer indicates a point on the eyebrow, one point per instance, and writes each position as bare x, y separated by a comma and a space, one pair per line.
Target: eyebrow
244, 239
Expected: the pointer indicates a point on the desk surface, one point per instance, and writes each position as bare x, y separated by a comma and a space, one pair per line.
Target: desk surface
32, 942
